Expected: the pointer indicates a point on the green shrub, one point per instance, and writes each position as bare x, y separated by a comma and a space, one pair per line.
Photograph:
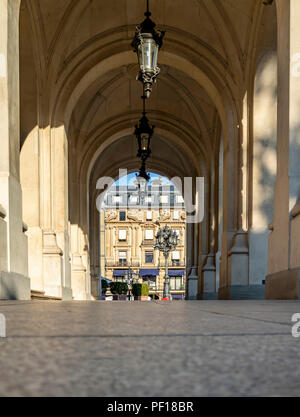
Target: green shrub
136, 289
139, 290
119, 288
145, 289
104, 285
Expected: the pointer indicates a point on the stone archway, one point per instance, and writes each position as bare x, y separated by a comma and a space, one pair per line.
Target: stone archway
73, 84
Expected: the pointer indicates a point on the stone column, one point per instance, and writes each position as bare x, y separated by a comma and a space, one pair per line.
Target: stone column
283, 279
263, 169
79, 281
192, 275
54, 213
31, 193
14, 281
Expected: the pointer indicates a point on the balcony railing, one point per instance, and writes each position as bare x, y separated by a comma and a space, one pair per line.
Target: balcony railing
148, 242
122, 262
114, 264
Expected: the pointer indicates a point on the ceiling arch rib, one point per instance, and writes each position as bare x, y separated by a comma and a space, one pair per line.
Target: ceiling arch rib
103, 138
126, 57
92, 107
76, 73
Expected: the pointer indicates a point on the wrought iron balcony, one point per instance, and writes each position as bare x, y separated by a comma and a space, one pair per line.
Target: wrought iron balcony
122, 262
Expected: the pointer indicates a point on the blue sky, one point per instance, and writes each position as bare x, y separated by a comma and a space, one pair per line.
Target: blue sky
131, 179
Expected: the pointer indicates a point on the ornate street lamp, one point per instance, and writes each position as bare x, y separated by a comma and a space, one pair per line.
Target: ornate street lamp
146, 44
166, 242
142, 181
130, 277
144, 133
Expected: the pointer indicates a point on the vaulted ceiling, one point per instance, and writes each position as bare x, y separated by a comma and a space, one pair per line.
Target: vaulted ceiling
78, 69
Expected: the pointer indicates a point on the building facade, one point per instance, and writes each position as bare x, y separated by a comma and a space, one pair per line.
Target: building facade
130, 226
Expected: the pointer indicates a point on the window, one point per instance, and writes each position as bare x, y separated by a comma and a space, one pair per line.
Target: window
176, 283
176, 215
149, 257
121, 279
149, 234
151, 281
117, 199
148, 200
179, 199
134, 199
176, 255
149, 215
122, 258
122, 235
122, 216
175, 258
164, 199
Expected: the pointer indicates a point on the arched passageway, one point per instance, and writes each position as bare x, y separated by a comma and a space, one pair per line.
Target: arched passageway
214, 108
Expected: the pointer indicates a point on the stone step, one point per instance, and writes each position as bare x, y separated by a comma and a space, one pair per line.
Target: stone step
40, 295
252, 292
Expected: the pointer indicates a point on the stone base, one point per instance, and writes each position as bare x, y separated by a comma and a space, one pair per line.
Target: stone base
14, 286
67, 294
209, 296
59, 292
192, 285
283, 285
84, 296
242, 292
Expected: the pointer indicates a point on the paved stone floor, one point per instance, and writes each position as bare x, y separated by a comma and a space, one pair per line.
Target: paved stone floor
195, 348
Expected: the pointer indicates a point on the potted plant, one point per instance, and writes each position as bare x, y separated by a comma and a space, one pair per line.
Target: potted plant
140, 291
104, 286
119, 290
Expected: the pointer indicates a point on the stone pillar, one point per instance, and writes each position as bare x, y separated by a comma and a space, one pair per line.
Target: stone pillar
219, 217
192, 270
231, 209
14, 281
52, 265
60, 203
263, 166
283, 277
30, 181
209, 278
79, 271
238, 267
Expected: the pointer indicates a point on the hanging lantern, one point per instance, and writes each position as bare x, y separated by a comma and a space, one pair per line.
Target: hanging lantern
146, 44
144, 133
143, 177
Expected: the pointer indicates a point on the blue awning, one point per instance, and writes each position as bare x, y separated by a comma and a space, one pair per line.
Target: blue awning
149, 272
120, 272
176, 272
